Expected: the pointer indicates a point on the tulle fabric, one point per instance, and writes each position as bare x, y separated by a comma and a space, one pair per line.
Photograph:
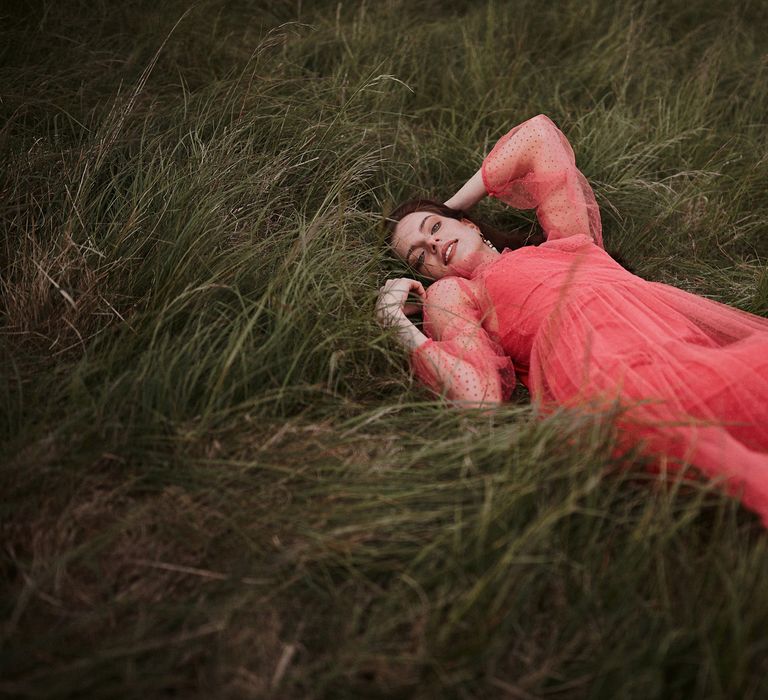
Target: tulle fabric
688, 375
533, 166
477, 367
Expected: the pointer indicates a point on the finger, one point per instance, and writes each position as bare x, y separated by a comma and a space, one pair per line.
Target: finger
418, 288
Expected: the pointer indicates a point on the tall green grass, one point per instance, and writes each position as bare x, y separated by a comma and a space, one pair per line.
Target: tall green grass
219, 478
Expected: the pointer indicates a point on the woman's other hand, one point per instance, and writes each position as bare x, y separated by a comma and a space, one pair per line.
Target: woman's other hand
392, 309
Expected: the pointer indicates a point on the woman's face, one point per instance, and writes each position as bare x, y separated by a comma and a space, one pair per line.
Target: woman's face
437, 246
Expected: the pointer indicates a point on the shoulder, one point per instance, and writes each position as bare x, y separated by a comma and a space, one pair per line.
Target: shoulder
450, 290
449, 300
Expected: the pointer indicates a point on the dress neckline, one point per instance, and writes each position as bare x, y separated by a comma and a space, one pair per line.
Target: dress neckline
484, 266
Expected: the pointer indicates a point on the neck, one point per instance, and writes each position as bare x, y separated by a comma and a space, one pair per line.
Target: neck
479, 257
488, 255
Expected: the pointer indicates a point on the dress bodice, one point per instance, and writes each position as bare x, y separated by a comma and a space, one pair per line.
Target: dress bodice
523, 287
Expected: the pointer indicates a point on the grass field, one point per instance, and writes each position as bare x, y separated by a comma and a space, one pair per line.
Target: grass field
219, 479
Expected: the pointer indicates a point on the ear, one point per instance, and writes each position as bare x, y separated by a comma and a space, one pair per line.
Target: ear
467, 222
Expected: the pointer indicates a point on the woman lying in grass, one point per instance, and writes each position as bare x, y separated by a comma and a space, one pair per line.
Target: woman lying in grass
579, 330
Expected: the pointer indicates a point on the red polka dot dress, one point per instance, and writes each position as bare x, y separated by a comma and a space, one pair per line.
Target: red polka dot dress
690, 374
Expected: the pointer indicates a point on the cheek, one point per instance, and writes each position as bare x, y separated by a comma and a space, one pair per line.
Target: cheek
469, 243
398, 251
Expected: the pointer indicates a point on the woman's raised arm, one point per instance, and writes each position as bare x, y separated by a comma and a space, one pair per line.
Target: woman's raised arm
533, 166
469, 194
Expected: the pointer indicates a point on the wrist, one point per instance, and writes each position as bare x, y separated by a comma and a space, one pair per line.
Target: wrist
407, 334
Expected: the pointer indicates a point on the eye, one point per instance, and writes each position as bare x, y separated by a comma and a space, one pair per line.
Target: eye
420, 260
435, 226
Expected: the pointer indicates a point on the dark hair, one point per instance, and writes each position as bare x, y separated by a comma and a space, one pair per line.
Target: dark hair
513, 239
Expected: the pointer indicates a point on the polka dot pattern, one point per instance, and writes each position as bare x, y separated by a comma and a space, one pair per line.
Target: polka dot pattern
534, 167
461, 361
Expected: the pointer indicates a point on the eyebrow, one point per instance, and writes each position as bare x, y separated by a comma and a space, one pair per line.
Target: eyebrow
410, 250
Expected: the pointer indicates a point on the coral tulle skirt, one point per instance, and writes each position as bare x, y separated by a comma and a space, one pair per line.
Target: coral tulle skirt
690, 376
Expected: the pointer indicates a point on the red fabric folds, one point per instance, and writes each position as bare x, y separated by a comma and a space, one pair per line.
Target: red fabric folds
689, 375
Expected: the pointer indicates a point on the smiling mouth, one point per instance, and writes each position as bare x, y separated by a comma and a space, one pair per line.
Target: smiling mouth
449, 250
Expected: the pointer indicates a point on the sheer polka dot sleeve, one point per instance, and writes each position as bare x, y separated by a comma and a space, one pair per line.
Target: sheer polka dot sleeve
460, 360
533, 166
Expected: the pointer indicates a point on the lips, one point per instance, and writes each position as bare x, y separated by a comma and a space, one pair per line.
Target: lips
448, 250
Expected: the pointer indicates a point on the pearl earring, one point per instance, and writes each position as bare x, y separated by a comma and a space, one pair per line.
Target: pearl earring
486, 241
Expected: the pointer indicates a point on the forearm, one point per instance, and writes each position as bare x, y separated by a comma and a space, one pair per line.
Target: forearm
408, 335
444, 372
455, 378
534, 146
459, 361
526, 148
469, 194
